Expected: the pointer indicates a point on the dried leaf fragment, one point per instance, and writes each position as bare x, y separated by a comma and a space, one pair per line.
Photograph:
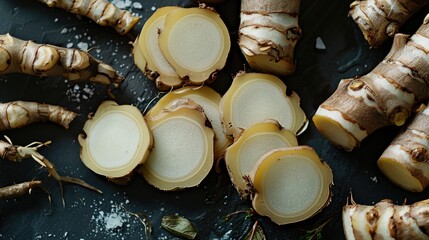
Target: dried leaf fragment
256, 233
179, 226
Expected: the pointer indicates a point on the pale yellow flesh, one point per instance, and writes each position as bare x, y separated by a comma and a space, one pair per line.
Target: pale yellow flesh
253, 143
209, 100
333, 131
196, 42
183, 151
291, 184
147, 47
116, 140
255, 97
399, 174
265, 63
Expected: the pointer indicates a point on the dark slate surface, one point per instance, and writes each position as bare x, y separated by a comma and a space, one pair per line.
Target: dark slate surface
347, 55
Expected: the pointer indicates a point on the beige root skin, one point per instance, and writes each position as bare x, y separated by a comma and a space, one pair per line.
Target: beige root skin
100, 11
385, 96
387, 221
406, 161
43, 60
18, 114
19, 189
268, 34
379, 19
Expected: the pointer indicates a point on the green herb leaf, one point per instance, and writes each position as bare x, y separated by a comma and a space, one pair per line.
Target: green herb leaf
179, 226
256, 233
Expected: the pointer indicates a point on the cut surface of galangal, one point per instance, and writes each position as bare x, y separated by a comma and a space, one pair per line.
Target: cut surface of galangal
256, 97
397, 166
115, 140
183, 151
253, 143
148, 56
331, 123
291, 184
209, 100
196, 42
405, 161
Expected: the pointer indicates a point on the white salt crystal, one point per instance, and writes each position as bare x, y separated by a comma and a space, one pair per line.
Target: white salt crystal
137, 5
69, 45
83, 46
113, 221
153, 8
122, 3
64, 31
320, 45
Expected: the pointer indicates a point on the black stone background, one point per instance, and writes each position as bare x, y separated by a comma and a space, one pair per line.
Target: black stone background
317, 76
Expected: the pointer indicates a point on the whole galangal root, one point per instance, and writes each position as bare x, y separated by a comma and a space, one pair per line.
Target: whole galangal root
100, 11
385, 96
380, 19
19, 56
406, 161
268, 34
385, 220
18, 114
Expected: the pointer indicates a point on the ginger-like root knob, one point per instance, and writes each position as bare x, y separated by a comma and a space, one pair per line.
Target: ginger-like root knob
19, 56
